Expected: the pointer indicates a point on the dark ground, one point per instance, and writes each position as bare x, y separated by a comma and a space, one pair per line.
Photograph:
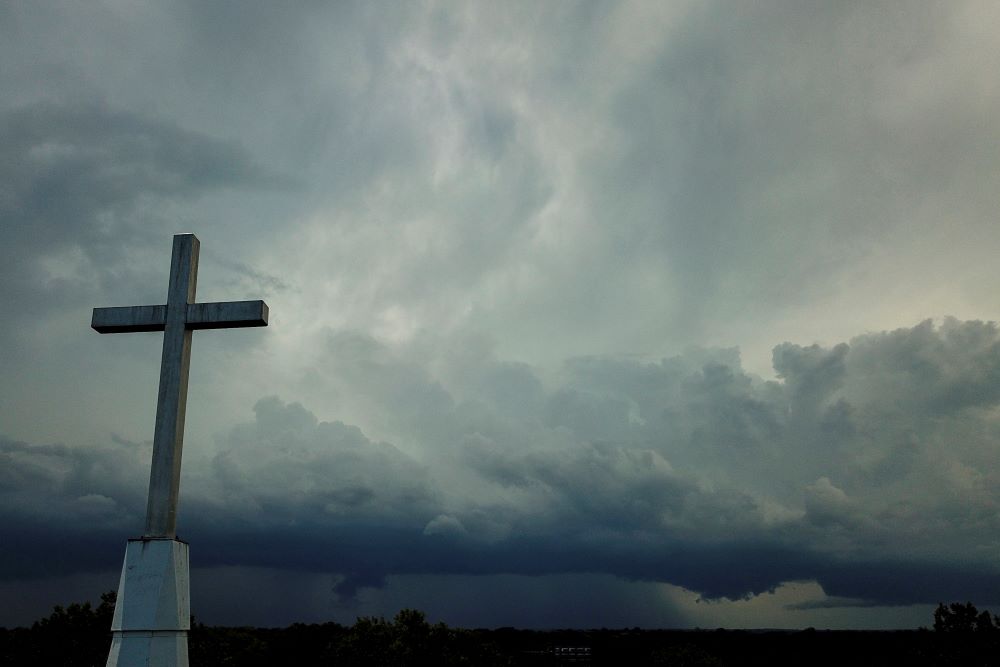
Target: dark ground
78, 636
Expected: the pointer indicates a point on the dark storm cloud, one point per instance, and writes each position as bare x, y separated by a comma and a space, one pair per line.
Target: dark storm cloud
557, 179
58, 495
688, 469
687, 472
81, 185
65, 165
288, 466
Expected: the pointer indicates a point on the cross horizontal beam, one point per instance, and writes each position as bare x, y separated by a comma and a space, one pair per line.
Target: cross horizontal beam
218, 315
129, 318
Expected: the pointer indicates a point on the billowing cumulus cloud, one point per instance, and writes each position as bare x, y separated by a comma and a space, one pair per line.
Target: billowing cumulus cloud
865, 467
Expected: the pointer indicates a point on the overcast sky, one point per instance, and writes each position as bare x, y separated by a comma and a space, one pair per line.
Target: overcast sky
582, 314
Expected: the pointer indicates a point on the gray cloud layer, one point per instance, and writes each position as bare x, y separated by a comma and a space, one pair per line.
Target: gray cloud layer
867, 467
444, 203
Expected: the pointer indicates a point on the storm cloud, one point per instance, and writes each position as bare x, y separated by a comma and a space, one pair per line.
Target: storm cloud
865, 467
660, 296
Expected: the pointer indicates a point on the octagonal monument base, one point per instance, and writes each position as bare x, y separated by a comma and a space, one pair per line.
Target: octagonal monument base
153, 611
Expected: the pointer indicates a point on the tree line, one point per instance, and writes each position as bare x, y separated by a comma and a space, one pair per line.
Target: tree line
78, 635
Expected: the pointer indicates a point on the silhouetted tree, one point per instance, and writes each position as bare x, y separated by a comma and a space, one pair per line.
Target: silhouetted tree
964, 618
964, 635
74, 636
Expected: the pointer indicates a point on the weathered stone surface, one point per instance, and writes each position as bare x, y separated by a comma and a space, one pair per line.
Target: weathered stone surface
153, 611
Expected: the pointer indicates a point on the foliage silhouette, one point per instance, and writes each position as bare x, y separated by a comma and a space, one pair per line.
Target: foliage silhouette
75, 635
78, 636
964, 618
966, 636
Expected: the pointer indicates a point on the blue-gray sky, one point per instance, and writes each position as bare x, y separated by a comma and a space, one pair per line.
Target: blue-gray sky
582, 314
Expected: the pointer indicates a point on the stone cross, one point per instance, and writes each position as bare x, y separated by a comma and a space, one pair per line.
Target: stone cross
177, 319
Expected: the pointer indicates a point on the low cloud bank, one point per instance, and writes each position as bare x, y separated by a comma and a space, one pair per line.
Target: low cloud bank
868, 466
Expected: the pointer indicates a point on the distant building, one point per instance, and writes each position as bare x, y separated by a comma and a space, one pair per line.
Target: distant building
572, 654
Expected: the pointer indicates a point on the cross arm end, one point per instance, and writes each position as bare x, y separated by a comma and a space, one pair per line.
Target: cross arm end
227, 315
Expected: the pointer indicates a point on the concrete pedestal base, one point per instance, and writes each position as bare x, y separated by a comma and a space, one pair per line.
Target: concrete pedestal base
153, 612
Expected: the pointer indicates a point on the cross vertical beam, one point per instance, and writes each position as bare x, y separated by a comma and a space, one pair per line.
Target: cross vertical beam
176, 319
168, 434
